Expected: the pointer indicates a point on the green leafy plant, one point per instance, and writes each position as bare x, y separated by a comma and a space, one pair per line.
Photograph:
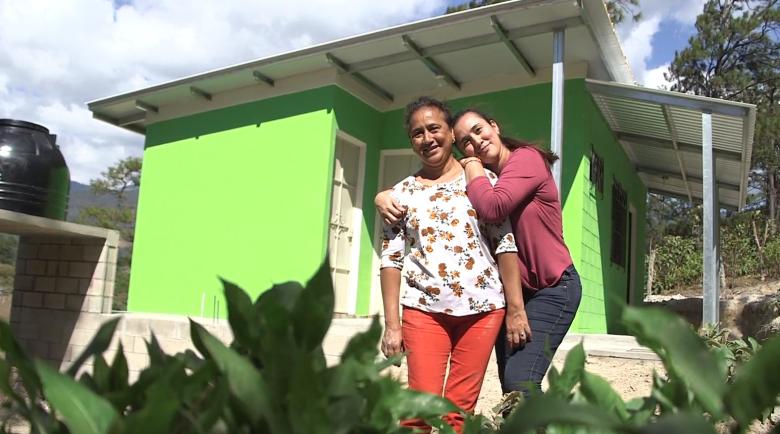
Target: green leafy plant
272, 378
732, 352
709, 383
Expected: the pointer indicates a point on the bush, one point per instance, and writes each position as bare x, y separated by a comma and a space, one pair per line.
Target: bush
273, 379
739, 252
772, 255
678, 263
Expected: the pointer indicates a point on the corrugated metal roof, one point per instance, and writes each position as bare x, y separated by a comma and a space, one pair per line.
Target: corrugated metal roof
468, 46
661, 132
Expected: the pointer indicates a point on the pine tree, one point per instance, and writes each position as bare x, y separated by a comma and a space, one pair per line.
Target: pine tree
735, 55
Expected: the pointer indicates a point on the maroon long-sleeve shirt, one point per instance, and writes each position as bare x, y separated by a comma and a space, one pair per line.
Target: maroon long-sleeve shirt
527, 194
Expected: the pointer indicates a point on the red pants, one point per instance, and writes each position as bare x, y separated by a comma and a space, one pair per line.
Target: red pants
434, 339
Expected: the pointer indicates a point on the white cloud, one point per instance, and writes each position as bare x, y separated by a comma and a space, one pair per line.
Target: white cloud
79, 50
637, 38
654, 78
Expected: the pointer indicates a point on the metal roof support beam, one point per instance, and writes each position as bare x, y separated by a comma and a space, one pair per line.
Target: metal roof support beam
681, 146
556, 127
673, 132
499, 29
121, 122
262, 78
131, 119
711, 227
434, 67
664, 174
146, 106
655, 96
747, 130
465, 44
201, 93
345, 69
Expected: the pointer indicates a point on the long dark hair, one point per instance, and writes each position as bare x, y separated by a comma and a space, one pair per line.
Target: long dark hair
510, 142
422, 102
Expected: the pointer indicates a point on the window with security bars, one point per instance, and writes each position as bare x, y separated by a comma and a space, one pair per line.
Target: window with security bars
619, 217
597, 171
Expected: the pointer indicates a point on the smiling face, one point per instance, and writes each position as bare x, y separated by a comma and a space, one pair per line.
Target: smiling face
478, 137
431, 136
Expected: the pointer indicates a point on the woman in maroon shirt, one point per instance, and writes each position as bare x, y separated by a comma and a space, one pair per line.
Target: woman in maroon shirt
526, 194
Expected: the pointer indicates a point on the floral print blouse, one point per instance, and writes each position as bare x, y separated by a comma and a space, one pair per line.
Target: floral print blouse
445, 254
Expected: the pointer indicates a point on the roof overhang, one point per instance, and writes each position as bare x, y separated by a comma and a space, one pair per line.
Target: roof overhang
475, 51
661, 131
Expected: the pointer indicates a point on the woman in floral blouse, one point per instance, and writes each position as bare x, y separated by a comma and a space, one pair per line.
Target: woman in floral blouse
453, 299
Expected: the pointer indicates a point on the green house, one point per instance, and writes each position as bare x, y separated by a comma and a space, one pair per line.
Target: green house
256, 171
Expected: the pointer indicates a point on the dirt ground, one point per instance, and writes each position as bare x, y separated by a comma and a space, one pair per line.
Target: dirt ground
631, 378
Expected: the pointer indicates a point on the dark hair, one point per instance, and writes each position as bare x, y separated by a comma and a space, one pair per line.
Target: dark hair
422, 102
510, 142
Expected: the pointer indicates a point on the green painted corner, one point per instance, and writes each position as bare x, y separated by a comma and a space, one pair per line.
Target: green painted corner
220, 197
605, 284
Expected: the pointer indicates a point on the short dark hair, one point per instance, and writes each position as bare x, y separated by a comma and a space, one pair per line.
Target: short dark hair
422, 102
510, 142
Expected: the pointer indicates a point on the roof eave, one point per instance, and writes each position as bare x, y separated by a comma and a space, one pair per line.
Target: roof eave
332, 45
596, 18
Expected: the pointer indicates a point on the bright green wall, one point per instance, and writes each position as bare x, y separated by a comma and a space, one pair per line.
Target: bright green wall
242, 193
605, 283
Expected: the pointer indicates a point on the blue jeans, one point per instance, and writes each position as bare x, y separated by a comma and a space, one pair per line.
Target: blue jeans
550, 313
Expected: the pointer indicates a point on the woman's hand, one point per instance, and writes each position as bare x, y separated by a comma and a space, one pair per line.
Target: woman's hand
518, 331
465, 161
390, 210
392, 341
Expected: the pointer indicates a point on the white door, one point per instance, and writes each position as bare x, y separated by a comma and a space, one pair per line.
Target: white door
343, 225
393, 167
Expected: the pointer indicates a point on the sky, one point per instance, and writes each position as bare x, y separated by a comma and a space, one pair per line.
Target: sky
55, 55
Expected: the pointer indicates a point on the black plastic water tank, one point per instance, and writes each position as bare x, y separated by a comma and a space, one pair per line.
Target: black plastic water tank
34, 178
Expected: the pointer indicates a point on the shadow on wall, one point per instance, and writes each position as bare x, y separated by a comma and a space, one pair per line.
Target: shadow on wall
253, 113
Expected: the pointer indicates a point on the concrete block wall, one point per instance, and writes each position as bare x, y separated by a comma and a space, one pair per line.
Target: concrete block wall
62, 282
134, 330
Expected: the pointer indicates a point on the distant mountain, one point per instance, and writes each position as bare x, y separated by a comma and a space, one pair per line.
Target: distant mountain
81, 196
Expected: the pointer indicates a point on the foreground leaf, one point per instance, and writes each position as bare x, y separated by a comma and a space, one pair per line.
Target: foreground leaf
563, 383
599, 393
98, 345
757, 385
541, 411
245, 382
241, 314
683, 352
679, 423
19, 360
313, 310
82, 411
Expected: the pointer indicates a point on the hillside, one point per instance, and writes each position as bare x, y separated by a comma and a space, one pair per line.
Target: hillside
81, 196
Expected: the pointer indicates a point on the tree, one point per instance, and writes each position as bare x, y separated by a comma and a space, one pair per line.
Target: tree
735, 55
618, 9
116, 181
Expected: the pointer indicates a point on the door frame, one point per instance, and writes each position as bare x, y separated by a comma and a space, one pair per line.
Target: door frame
357, 220
375, 296
631, 250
